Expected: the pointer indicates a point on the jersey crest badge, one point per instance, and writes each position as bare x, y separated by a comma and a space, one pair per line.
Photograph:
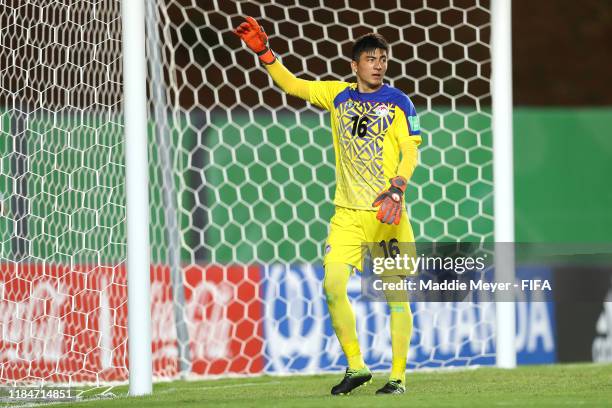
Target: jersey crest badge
381, 111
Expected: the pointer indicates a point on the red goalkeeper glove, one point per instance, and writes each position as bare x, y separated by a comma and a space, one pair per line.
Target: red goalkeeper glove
391, 202
256, 39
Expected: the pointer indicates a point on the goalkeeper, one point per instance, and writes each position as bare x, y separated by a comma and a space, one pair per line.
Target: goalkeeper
372, 125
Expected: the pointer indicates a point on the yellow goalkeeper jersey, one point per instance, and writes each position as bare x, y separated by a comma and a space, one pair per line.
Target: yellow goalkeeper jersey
367, 130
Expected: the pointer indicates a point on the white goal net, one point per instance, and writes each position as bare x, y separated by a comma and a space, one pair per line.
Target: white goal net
241, 184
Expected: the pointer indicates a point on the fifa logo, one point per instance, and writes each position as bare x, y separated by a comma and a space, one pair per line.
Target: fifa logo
294, 326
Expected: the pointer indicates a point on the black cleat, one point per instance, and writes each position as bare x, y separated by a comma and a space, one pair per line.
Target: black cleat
392, 387
352, 379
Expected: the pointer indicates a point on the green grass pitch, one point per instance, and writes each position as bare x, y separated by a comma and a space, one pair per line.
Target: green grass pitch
576, 385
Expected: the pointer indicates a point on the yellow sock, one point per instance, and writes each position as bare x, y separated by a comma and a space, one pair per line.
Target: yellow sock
342, 315
401, 331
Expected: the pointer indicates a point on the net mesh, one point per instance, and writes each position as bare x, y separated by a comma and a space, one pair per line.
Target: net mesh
241, 184
62, 183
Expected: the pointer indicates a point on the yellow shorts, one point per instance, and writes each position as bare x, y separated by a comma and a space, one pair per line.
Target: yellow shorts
350, 229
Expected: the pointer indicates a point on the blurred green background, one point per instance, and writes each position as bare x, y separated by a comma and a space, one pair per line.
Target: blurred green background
562, 168
237, 204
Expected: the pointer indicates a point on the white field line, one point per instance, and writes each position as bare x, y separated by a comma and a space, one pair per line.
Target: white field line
213, 387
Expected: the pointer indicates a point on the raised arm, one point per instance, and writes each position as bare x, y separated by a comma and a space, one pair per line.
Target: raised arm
256, 39
288, 82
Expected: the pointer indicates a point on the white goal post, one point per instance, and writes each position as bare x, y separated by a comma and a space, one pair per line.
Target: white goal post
503, 174
137, 196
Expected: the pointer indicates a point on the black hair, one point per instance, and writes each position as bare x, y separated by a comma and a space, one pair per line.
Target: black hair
369, 42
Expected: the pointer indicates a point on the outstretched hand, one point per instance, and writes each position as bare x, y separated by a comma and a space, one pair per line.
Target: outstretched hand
256, 39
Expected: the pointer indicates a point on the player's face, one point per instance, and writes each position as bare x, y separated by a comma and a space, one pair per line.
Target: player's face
371, 68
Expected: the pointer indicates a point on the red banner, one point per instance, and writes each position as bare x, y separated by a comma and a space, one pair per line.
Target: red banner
70, 324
